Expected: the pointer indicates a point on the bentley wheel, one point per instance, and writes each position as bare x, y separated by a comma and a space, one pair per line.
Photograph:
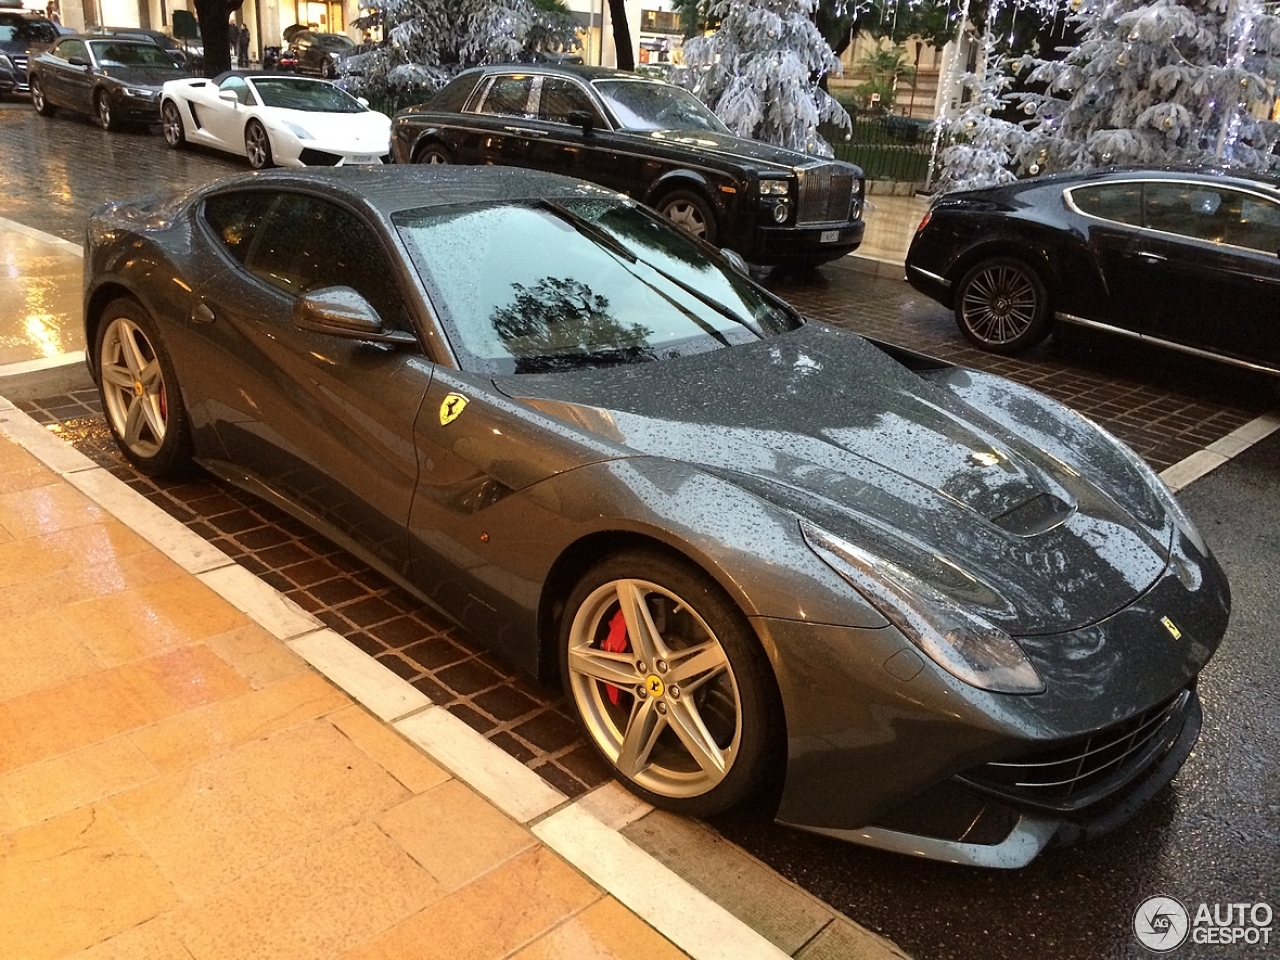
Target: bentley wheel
171, 122
1002, 306
669, 683
102, 107
39, 101
257, 145
433, 154
689, 212
140, 395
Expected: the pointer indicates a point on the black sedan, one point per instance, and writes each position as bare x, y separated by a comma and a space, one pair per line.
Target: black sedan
1187, 259
650, 140
319, 53
23, 34
115, 79
946, 615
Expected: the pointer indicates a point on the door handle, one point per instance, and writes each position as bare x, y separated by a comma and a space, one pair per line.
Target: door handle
525, 132
201, 313
1151, 257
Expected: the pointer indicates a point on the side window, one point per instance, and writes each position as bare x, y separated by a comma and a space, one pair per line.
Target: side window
1259, 225
1200, 211
237, 86
307, 243
508, 96
561, 97
454, 96
235, 218
71, 48
1121, 202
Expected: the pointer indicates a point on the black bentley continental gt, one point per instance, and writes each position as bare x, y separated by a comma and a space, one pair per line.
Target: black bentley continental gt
940, 613
1179, 258
650, 140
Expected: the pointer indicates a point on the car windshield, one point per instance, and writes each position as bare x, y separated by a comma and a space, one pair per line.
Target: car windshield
124, 53
296, 93
18, 29
333, 41
642, 105
539, 286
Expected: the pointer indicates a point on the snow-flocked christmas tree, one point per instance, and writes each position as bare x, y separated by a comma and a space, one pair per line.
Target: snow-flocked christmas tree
431, 40
760, 73
1150, 83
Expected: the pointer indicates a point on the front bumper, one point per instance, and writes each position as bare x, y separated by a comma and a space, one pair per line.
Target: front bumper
329, 153
804, 246
134, 109
886, 749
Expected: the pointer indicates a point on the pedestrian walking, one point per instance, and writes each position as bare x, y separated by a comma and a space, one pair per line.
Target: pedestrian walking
244, 47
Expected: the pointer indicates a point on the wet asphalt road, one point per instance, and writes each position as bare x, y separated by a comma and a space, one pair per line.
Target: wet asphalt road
1213, 837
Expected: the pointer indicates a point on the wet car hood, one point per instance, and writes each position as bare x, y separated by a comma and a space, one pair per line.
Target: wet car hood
826, 425
731, 148
145, 76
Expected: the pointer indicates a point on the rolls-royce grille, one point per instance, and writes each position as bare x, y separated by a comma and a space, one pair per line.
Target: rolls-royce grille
826, 194
1077, 772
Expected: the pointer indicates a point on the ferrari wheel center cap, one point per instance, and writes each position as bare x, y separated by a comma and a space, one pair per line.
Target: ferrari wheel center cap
653, 683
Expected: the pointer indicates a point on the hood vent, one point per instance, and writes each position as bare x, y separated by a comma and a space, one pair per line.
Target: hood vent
1038, 515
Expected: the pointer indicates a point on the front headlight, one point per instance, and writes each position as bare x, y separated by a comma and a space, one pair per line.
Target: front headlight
298, 131
773, 188
5, 62
964, 644
140, 92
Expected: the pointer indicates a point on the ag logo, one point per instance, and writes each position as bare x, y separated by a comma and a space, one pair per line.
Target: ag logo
452, 408
1160, 924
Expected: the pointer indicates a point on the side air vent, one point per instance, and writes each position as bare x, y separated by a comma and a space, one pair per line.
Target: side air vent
1037, 515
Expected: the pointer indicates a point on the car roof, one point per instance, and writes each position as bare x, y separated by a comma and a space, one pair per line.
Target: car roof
389, 189
1070, 178
581, 71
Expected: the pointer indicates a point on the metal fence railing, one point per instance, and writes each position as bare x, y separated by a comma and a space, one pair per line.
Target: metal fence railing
884, 146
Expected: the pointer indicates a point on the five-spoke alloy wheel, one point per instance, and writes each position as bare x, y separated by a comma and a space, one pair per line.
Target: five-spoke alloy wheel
257, 145
1002, 306
171, 123
106, 116
139, 391
39, 100
669, 683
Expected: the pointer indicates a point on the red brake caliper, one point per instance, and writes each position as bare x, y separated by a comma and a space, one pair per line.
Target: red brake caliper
616, 642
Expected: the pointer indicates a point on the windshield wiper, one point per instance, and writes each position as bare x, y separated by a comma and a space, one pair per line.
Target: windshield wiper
588, 229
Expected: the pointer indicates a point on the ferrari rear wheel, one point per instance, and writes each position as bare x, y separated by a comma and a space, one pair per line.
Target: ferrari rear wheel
139, 389
690, 213
257, 145
434, 154
39, 101
669, 683
1002, 306
102, 107
171, 122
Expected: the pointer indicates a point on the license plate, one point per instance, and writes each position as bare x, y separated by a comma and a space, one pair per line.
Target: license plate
362, 158
829, 236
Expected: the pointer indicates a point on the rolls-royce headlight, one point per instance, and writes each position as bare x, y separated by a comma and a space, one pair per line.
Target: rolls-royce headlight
773, 188
780, 212
966, 645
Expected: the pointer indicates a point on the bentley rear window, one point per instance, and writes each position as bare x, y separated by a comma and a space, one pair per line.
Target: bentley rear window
552, 285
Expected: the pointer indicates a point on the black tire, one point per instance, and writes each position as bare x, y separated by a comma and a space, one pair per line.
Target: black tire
691, 213
328, 69
102, 110
257, 146
40, 101
175, 134
141, 399
433, 154
641, 725
1002, 306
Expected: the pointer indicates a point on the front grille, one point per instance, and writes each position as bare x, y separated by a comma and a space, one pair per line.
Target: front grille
1078, 772
318, 158
19, 61
826, 194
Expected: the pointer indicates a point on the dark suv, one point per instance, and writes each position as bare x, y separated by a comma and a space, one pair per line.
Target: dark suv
22, 33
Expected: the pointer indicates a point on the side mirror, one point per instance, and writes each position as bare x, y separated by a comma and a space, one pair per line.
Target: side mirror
78, 61
337, 310
362, 101
583, 119
229, 96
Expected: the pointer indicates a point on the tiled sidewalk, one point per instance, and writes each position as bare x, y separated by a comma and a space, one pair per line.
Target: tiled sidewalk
175, 782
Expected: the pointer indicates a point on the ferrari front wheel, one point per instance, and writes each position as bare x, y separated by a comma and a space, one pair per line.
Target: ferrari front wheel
139, 389
669, 683
257, 145
171, 122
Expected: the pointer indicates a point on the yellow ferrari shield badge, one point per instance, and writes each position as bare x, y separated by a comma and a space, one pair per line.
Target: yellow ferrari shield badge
1172, 628
452, 408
